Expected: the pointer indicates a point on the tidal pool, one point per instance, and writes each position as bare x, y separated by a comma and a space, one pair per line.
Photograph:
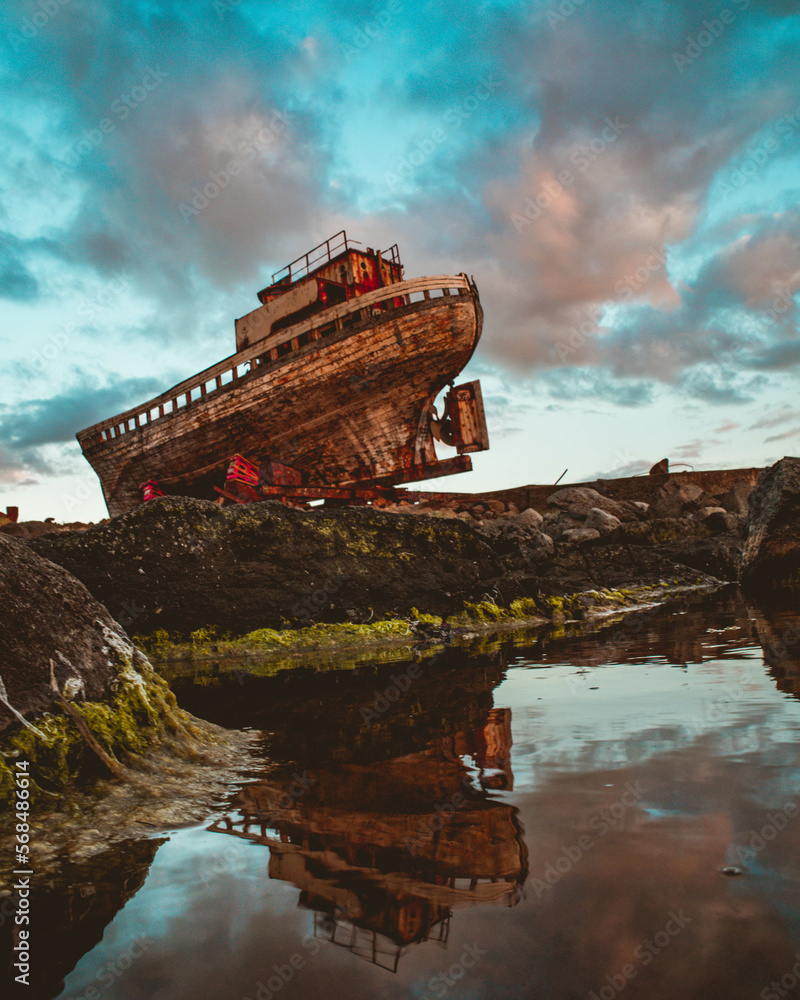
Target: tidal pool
613, 814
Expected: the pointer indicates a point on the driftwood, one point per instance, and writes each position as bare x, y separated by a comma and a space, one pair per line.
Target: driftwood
110, 762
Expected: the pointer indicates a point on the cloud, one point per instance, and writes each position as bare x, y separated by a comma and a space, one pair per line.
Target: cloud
784, 414
630, 467
782, 437
579, 210
27, 428
592, 385
13, 471
16, 280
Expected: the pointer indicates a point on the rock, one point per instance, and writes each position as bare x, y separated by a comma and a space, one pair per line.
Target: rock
530, 517
737, 499
520, 544
260, 565
677, 499
705, 512
660, 467
541, 546
602, 565
49, 615
35, 529
512, 508
662, 531
602, 521
50, 618
180, 564
718, 519
579, 500
644, 507
771, 557
580, 536
496, 506
28, 529
718, 556
688, 542
688, 491
558, 524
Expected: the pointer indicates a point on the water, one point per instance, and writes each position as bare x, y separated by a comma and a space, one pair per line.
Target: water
543, 818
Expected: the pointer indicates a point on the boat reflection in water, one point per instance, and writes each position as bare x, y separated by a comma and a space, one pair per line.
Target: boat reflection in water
383, 853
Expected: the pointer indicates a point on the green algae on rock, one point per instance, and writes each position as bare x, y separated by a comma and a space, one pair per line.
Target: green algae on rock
180, 565
176, 567
58, 642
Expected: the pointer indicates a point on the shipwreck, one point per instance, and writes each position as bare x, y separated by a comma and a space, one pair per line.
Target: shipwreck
331, 392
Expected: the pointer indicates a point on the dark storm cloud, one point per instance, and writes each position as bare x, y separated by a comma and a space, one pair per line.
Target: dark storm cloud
53, 420
16, 281
26, 427
778, 357
149, 107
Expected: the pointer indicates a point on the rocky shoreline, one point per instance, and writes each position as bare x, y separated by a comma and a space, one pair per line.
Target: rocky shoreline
179, 565
267, 577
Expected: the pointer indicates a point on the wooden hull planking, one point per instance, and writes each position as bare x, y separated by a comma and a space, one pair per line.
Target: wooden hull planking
349, 408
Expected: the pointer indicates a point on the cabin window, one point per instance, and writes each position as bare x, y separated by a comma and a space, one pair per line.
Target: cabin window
334, 293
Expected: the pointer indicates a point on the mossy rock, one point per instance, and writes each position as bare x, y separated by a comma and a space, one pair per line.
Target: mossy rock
57, 641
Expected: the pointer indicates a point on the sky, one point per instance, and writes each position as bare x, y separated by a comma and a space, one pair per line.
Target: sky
621, 179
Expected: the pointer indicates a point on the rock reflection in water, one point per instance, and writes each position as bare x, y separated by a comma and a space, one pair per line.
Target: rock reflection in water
779, 634
72, 910
383, 852
317, 718
678, 635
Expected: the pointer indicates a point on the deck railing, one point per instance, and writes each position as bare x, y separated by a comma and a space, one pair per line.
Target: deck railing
323, 253
238, 366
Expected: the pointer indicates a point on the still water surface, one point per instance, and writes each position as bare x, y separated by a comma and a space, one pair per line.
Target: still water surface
532, 818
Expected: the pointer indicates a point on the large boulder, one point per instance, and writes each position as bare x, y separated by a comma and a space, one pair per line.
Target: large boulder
737, 499
580, 500
56, 635
181, 564
49, 616
520, 537
689, 542
678, 498
602, 521
771, 558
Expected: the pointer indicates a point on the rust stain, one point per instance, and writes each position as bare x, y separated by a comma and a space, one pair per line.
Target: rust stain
332, 387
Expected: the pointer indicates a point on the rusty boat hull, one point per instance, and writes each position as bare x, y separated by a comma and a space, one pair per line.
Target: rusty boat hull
345, 398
